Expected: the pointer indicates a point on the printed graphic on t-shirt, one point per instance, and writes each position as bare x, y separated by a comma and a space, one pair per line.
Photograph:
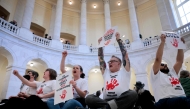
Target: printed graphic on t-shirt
111, 85
63, 95
175, 83
40, 91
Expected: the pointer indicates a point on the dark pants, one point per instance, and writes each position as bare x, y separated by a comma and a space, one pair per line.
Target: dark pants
126, 100
32, 102
173, 103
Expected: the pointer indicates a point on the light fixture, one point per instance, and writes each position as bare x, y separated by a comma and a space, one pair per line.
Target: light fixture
31, 64
95, 6
66, 68
123, 35
119, 3
70, 2
95, 71
61, 40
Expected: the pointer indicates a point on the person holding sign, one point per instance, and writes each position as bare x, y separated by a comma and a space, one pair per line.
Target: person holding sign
116, 94
45, 90
168, 92
80, 88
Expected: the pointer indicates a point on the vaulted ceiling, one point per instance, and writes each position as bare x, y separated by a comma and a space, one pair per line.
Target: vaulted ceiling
76, 4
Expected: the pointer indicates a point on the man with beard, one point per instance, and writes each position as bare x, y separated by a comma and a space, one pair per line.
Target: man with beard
168, 91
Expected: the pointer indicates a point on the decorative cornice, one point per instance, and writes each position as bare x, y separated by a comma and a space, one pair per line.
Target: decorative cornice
106, 1
83, 1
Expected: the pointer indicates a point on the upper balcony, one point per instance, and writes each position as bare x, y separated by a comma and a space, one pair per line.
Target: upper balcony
50, 44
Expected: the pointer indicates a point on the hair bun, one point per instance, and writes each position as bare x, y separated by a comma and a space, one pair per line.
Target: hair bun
82, 75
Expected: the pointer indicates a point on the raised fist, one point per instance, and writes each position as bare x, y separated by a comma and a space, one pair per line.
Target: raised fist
117, 35
64, 54
15, 72
99, 40
73, 83
163, 38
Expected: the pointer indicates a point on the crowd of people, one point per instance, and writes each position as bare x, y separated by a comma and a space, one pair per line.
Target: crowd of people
170, 91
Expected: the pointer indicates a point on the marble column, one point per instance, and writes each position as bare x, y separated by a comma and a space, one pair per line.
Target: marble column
12, 86
83, 23
58, 20
107, 14
133, 20
167, 15
28, 13
51, 30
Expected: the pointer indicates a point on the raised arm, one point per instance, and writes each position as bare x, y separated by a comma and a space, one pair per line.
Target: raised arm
24, 81
125, 58
62, 66
159, 53
179, 59
101, 58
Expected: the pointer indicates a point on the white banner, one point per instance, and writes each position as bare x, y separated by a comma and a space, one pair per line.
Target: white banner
109, 37
173, 40
63, 90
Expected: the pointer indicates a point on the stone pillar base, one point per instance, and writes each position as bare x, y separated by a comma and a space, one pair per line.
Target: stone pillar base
26, 33
137, 45
110, 49
84, 49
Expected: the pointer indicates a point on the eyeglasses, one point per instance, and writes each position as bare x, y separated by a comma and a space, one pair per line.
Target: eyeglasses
111, 61
163, 64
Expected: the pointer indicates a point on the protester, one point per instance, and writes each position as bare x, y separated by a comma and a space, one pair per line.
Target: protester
45, 90
185, 81
168, 92
80, 87
116, 92
145, 99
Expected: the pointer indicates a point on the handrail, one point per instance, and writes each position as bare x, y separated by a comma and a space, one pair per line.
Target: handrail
8, 26
41, 40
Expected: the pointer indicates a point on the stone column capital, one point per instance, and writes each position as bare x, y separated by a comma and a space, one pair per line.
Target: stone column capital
106, 1
83, 1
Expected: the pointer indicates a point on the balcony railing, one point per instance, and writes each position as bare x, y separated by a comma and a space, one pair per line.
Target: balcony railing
70, 47
127, 46
41, 40
8, 26
151, 41
183, 30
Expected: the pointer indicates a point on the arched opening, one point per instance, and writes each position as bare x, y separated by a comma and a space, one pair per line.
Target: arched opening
133, 79
149, 71
37, 65
6, 59
95, 80
187, 63
37, 29
66, 38
4, 13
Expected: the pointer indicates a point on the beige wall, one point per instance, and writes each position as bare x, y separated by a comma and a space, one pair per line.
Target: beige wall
122, 20
42, 14
10, 6
148, 19
95, 28
71, 23
3, 65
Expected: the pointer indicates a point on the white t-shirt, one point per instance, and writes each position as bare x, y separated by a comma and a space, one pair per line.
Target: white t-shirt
82, 85
45, 87
166, 85
115, 83
28, 90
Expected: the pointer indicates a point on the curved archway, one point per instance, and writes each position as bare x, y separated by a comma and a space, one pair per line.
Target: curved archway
187, 60
6, 59
37, 29
67, 38
95, 80
37, 65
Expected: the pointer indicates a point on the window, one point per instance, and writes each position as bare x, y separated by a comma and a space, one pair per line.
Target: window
183, 7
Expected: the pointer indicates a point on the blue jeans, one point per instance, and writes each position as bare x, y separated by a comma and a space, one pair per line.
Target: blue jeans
70, 104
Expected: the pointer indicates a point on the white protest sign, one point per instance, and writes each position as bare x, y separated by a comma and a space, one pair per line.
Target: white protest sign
109, 37
173, 40
63, 90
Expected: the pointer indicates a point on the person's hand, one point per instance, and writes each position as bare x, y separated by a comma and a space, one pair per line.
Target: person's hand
20, 94
182, 39
163, 38
64, 54
117, 35
73, 83
15, 72
40, 96
99, 40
